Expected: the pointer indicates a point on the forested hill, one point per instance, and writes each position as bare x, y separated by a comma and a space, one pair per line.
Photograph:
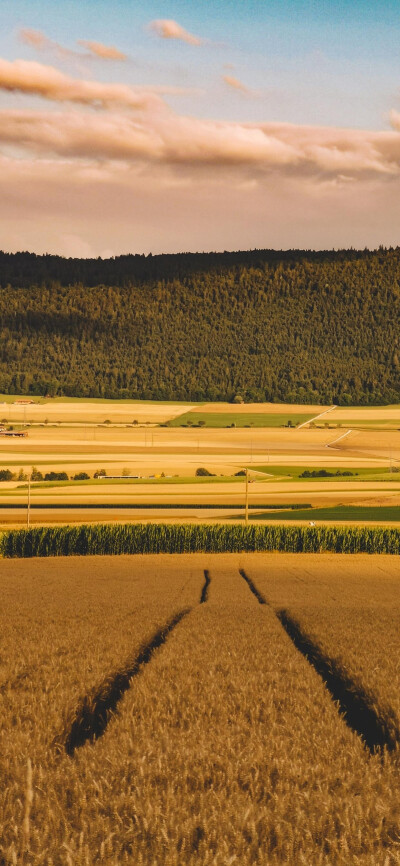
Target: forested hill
283, 326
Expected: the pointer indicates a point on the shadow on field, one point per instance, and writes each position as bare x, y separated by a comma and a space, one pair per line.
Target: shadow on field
378, 729
95, 710
204, 591
259, 596
357, 707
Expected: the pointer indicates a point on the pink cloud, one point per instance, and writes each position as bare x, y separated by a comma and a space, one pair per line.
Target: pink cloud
34, 38
244, 184
233, 82
32, 78
38, 40
105, 52
154, 135
166, 28
47, 204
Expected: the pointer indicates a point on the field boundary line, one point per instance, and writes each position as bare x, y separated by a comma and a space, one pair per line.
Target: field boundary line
96, 708
343, 436
325, 412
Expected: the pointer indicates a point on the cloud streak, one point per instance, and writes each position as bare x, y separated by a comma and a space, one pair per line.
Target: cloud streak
40, 42
154, 136
63, 206
36, 79
150, 167
236, 84
166, 28
104, 52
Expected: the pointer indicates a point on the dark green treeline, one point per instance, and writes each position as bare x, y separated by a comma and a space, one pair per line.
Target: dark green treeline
284, 326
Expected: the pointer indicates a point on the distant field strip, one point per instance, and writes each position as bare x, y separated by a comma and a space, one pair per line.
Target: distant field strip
239, 419
146, 505
338, 513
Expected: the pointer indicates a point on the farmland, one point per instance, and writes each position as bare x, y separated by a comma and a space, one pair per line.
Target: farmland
150, 462
153, 711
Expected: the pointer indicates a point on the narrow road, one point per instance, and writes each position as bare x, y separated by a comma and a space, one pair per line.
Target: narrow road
325, 412
331, 444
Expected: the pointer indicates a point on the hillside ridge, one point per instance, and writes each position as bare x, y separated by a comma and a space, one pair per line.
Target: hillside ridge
290, 326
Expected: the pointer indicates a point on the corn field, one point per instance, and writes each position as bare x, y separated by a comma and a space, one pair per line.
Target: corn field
186, 538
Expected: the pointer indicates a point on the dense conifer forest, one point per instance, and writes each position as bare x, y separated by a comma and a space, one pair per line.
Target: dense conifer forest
282, 326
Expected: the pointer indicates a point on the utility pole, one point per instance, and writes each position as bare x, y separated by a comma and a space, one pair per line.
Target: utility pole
28, 514
246, 512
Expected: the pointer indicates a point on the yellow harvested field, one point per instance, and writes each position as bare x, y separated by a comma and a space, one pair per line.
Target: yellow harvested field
218, 492
371, 413
154, 712
94, 413
383, 441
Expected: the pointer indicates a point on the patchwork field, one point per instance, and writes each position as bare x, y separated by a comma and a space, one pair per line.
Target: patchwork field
167, 459
202, 709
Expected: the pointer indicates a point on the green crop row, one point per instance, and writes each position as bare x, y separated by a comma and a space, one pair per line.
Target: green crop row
181, 538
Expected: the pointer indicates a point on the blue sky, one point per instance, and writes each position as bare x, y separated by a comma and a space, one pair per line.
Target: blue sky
311, 62
213, 164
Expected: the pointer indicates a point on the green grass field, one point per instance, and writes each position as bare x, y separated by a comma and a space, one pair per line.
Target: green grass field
293, 473
239, 419
110, 482
337, 514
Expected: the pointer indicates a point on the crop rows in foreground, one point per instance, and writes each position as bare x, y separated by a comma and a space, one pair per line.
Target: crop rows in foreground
222, 743
116, 539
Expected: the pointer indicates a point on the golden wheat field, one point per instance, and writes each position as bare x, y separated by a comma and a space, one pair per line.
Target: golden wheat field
200, 709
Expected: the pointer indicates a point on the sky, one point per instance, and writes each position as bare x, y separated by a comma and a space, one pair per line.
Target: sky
131, 127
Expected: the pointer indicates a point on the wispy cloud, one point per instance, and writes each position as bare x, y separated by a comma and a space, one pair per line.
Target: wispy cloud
155, 133
235, 84
137, 149
105, 52
166, 28
32, 78
187, 144
40, 42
